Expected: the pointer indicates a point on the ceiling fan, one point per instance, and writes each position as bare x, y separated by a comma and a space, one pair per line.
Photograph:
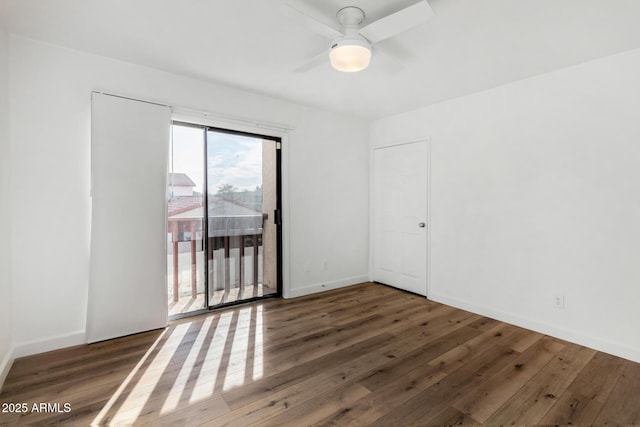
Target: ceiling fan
351, 43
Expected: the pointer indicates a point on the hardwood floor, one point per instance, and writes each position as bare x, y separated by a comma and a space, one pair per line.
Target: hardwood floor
363, 355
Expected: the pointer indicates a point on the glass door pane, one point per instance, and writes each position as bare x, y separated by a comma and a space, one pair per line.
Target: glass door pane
241, 200
185, 240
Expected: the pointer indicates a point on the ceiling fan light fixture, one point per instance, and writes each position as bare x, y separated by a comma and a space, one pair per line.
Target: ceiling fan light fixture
350, 55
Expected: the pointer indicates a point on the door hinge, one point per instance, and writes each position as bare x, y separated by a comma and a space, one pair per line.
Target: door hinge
278, 145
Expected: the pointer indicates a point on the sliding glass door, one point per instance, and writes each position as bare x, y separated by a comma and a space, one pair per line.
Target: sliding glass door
234, 227
186, 213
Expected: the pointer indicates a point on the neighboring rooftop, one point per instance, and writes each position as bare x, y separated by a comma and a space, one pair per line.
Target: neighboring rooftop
191, 206
178, 205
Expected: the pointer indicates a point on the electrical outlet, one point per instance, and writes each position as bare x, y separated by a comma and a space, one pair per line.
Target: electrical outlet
558, 302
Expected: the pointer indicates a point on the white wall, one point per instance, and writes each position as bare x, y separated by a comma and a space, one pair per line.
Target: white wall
50, 137
5, 228
536, 192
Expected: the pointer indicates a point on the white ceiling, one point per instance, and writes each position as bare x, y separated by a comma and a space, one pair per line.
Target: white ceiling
469, 46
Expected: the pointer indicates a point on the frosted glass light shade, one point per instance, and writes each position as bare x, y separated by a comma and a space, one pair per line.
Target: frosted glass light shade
350, 56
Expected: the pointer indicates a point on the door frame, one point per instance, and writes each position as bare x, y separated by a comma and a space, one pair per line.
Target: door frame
281, 134
279, 285
372, 248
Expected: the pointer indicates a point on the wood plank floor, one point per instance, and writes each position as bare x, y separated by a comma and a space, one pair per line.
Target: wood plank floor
362, 355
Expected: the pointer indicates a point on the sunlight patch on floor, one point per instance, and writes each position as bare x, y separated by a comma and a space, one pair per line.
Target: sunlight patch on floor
173, 398
98, 419
258, 362
227, 352
134, 403
208, 375
238, 359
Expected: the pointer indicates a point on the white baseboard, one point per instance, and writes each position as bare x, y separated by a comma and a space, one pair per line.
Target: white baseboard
56, 342
596, 343
5, 365
321, 287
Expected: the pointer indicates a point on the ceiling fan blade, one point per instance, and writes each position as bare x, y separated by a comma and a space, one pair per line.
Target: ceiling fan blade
316, 61
314, 23
384, 60
398, 22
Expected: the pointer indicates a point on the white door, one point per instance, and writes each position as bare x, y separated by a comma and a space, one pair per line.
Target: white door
400, 216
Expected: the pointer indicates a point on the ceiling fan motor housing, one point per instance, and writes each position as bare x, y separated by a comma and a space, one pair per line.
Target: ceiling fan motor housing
350, 17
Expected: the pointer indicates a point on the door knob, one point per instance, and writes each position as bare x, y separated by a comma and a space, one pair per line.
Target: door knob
422, 224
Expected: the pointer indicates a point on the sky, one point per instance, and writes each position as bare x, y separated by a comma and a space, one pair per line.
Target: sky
233, 159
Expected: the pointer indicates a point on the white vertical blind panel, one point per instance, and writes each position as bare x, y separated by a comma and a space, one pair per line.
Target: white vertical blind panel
127, 279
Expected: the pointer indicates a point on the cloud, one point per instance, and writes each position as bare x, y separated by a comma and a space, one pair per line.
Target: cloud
232, 159
237, 162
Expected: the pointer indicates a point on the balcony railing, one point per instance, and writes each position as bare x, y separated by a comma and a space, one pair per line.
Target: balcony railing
225, 233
